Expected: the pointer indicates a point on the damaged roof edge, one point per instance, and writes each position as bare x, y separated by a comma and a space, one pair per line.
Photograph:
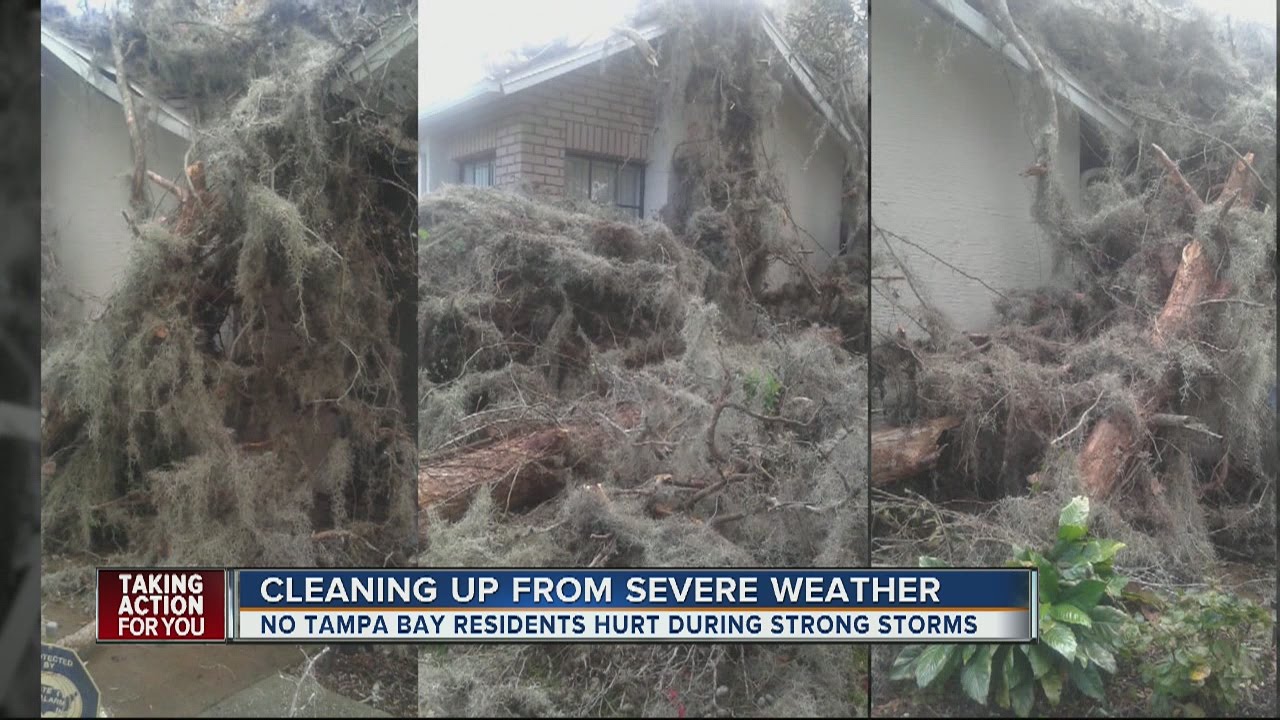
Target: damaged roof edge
363, 64
360, 65
488, 90
800, 70
84, 66
1068, 86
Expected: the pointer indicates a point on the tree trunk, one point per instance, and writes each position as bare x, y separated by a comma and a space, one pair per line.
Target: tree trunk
901, 453
520, 472
1111, 442
137, 189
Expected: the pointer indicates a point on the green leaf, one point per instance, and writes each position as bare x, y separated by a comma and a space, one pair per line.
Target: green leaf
1073, 522
1049, 582
1023, 697
1039, 660
1070, 614
1061, 639
1002, 688
1098, 654
969, 650
904, 666
931, 663
1109, 548
1051, 683
1016, 670
1085, 594
1116, 585
976, 676
1108, 614
928, 561
1087, 681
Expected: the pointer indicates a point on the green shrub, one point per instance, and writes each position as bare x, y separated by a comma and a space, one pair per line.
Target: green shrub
1203, 653
1080, 631
767, 386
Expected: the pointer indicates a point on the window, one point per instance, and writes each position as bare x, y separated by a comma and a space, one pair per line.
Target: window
606, 181
478, 172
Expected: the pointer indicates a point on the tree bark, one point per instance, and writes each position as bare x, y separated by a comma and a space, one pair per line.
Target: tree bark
901, 453
1110, 444
520, 472
137, 190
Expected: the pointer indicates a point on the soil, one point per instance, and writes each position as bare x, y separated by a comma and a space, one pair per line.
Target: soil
385, 676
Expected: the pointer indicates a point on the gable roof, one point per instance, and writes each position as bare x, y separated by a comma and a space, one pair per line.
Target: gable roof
541, 69
978, 25
535, 72
359, 65
103, 78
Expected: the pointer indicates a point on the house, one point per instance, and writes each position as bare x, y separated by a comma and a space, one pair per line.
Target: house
86, 154
599, 121
85, 159
949, 148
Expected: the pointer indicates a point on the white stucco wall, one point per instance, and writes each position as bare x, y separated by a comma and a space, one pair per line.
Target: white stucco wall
85, 166
947, 146
811, 174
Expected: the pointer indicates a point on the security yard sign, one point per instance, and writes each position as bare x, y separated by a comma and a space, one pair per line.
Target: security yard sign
66, 690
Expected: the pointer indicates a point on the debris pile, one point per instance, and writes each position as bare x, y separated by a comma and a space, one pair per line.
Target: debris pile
606, 392
238, 401
1145, 384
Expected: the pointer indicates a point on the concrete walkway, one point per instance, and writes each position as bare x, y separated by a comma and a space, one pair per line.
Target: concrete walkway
272, 697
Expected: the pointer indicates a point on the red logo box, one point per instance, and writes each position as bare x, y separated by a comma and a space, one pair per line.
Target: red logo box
170, 605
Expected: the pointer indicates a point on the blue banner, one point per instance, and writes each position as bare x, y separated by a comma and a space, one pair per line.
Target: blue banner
626, 589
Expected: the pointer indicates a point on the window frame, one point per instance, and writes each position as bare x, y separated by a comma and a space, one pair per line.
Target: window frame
488, 158
619, 164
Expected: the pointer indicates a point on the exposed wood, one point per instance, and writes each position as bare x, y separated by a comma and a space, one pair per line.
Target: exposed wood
1243, 180
1188, 192
83, 641
520, 473
137, 190
901, 453
1110, 444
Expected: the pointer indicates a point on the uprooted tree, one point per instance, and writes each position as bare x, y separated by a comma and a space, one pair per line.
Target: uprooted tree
1145, 386
598, 391
238, 400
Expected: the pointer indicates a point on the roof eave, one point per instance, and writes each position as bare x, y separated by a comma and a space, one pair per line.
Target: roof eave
805, 77
1068, 86
80, 63
488, 90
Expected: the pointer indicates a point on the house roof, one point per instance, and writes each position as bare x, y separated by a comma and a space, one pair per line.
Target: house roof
544, 67
360, 65
540, 69
103, 78
1075, 92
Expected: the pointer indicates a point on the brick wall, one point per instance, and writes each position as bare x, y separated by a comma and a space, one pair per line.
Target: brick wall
604, 109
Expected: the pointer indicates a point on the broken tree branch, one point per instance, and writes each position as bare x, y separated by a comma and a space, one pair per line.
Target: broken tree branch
1112, 440
1188, 192
901, 453
137, 190
1047, 138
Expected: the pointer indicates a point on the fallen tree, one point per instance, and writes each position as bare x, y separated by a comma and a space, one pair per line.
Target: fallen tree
1110, 446
1145, 383
239, 399
599, 391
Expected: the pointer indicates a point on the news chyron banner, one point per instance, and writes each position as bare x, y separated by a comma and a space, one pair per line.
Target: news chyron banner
931, 605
